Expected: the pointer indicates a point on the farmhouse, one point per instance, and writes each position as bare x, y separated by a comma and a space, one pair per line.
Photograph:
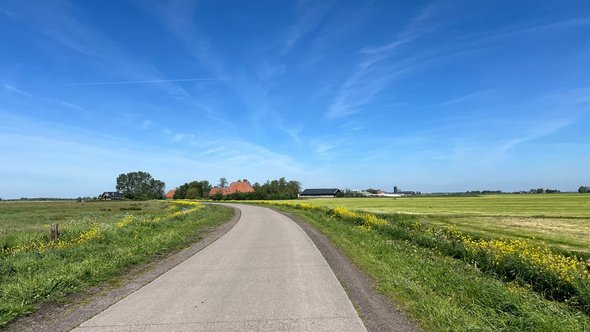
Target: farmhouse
317, 193
170, 194
240, 186
111, 195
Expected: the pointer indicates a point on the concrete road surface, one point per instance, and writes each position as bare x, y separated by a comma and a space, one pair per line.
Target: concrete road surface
265, 274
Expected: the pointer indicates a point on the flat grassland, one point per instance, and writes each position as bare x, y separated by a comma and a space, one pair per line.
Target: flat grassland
468, 263
25, 220
560, 220
98, 242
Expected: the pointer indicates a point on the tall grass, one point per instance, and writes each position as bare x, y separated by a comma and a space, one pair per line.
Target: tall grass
93, 250
521, 269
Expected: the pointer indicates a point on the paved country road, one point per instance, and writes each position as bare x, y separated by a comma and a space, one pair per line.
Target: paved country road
265, 274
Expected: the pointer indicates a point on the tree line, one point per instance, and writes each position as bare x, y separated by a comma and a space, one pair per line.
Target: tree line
141, 185
270, 190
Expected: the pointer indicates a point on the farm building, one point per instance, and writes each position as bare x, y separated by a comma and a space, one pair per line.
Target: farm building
170, 194
111, 195
317, 193
240, 186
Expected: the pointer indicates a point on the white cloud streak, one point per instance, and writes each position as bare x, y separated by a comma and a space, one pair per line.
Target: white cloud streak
372, 75
310, 17
128, 82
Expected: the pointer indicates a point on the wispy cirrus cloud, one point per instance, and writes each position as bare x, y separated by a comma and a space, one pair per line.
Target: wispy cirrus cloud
60, 21
17, 91
310, 16
251, 87
373, 74
126, 82
70, 105
465, 98
32, 96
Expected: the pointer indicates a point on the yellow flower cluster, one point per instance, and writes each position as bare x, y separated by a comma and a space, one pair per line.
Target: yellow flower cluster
40, 246
95, 231
188, 204
128, 219
188, 207
342, 213
373, 220
366, 220
538, 256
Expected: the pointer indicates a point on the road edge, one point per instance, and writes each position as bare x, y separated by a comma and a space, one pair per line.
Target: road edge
83, 306
377, 311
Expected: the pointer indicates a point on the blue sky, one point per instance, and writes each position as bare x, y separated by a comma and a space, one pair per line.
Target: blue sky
426, 95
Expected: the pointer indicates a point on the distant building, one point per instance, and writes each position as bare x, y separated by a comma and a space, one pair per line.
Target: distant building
240, 186
170, 194
318, 193
108, 195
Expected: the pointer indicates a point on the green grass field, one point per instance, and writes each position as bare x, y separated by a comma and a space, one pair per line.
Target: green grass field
98, 242
23, 221
547, 205
448, 280
560, 220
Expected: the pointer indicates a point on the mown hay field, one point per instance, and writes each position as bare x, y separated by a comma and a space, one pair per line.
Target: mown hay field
526, 205
560, 220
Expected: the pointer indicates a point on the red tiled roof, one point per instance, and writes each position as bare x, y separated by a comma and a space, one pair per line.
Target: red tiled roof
234, 187
170, 194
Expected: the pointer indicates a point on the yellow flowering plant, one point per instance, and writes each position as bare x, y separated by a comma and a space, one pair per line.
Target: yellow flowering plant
556, 275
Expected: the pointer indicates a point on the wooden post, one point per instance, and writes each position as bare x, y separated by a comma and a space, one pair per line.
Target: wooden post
54, 232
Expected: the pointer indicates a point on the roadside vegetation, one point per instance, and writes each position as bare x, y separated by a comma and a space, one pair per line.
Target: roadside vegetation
448, 279
562, 221
98, 242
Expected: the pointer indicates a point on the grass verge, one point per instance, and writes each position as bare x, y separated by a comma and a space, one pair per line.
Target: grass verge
93, 251
436, 289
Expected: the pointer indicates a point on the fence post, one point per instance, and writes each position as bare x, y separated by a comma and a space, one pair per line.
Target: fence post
54, 232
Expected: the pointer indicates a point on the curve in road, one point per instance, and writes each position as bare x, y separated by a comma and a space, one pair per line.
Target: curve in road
265, 274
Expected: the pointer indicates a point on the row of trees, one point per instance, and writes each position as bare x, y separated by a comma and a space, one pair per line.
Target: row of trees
275, 189
544, 191
141, 185
584, 189
278, 189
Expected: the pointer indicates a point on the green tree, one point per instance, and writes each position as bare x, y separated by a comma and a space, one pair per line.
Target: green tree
140, 185
223, 183
192, 190
583, 189
277, 189
192, 193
